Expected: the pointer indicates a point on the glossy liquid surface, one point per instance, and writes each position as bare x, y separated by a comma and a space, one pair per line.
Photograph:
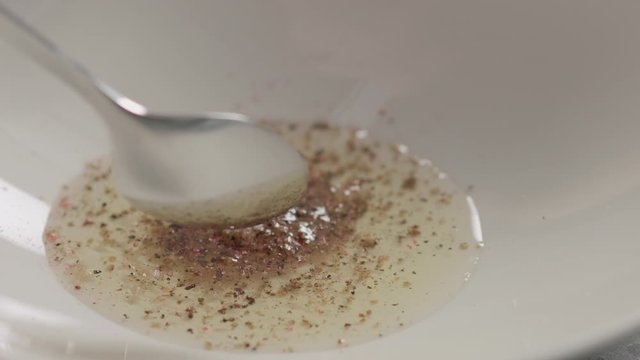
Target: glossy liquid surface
381, 240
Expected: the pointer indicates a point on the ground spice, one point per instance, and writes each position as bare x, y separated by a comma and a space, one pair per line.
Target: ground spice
322, 219
312, 270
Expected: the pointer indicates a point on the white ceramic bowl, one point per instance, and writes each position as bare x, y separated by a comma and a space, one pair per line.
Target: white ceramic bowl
534, 103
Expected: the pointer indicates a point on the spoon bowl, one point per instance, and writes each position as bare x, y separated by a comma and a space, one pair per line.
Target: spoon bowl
217, 168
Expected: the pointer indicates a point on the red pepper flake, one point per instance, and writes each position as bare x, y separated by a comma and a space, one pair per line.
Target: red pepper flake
64, 202
52, 236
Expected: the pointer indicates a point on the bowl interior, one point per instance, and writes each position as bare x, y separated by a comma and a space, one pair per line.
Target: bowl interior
532, 104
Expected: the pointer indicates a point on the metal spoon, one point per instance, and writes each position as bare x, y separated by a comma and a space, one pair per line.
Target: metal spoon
217, 168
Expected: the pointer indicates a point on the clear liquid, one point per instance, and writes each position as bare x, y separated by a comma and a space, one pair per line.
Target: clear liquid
411, 251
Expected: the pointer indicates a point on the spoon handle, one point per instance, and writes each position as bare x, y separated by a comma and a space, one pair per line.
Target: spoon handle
41, 50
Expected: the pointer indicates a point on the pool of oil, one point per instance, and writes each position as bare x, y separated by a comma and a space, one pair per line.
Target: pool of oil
412, 249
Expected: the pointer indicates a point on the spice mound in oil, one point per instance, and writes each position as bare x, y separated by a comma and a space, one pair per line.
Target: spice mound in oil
380, 240
323, 220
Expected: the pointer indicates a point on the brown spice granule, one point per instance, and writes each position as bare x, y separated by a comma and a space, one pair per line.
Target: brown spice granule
368, 243
292, 285
306, 323
320, 125
409, 183
77, 287
414, 231
190, 287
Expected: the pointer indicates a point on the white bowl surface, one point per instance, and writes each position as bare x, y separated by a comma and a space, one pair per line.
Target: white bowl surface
534, 103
